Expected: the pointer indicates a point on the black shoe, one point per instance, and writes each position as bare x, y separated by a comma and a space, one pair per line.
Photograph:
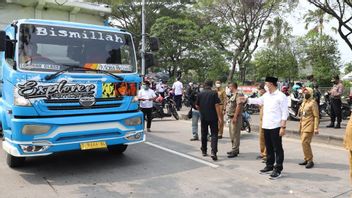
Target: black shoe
331, 125
310, 165
267, 169
204, 152
232, 155
338, 126
303, 163
194, 139
275, 174
214, 157
220, 137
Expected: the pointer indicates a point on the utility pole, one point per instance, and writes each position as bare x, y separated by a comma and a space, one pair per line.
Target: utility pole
143, 38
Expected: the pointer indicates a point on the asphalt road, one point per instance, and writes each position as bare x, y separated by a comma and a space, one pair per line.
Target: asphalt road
169, 165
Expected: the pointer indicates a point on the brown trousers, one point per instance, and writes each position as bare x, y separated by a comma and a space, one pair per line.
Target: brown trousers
306, 139
262, 143
221, 126
235, 134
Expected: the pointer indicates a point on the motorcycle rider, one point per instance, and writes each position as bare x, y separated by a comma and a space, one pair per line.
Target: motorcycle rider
336, 103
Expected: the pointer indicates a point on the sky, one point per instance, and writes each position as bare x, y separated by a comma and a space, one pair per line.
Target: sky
296, 20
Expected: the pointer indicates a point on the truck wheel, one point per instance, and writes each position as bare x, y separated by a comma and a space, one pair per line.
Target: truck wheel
117, 149
14, 162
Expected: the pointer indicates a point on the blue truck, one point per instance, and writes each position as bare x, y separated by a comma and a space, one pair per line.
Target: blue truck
67, 86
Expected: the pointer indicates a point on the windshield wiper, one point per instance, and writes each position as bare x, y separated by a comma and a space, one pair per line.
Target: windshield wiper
69, 67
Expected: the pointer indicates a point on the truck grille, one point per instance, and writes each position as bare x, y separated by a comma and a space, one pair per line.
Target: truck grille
73, 104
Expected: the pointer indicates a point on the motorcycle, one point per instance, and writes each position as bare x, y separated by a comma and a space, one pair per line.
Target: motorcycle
167, 103
246, 126
251, 108
295, 101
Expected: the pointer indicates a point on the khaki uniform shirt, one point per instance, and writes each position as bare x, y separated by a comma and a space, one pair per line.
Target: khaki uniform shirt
232, 105
222, 96
309, 113
348, 135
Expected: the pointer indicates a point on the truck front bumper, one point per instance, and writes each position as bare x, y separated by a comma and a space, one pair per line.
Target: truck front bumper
68, 133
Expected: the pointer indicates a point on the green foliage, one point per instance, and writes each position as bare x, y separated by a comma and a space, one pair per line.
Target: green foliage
321, 53
281, 63
348, 68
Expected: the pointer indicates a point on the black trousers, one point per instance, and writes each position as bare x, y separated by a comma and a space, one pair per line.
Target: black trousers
214, 135
274, 150
178, 101
336, 110
148, 116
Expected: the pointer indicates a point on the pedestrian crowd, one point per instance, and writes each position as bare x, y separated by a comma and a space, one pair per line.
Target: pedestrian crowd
213, 106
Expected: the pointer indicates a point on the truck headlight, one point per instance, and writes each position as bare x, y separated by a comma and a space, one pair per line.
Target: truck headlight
35, 129
133, 121
20, 100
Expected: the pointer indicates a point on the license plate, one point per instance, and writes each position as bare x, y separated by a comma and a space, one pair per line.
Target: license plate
92, 145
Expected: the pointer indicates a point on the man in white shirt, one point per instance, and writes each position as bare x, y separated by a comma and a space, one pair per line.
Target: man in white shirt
178, 90
160, 88
275, 113
146, 97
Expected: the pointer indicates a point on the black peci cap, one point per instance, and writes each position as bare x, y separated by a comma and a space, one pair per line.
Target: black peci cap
271, 79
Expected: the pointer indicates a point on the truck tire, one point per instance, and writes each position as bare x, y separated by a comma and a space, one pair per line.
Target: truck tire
117, 149
14, 162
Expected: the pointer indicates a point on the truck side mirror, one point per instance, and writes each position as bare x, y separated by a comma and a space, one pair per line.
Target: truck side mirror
2, 41
154, 44
149, 60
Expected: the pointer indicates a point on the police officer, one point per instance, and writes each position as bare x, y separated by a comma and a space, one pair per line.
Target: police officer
336, 103
234, 112
308, 126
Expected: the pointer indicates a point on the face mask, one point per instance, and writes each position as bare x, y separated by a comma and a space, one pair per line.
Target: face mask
218, 85
201, 89
307, 96
228, 91
266, 88
145, 87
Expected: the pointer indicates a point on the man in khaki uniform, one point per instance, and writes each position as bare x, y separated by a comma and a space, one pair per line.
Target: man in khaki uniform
222, 96
308, 126
262, 147
234, 112
348, 142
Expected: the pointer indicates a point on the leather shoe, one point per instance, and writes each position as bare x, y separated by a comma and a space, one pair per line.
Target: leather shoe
214, 157
204, 152
232, 155
310, 165
303, 163
194, 139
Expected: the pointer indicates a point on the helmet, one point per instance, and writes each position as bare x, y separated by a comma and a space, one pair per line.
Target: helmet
284, 89
296, 87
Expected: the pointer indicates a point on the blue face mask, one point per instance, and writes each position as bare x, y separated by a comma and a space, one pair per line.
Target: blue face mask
145, 87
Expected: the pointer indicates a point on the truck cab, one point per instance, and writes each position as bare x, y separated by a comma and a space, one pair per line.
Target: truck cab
67, 86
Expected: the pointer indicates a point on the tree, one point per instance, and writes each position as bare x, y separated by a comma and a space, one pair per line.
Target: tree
277, 33
348, 68
317, 18
321, 53
340, 10
245, 19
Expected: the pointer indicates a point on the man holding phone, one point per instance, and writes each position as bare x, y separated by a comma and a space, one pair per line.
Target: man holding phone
146, 97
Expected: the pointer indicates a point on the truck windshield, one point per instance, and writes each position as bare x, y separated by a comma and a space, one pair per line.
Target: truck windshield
51, 48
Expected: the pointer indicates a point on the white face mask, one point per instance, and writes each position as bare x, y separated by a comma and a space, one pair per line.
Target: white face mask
218, 85
266, 88
201, 89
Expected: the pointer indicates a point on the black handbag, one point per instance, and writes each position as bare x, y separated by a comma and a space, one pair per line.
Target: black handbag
189, 115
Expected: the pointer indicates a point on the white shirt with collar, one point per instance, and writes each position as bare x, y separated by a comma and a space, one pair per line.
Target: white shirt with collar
177, 87
275, 108
147, 95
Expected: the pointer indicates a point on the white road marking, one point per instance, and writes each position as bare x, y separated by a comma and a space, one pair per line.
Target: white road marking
183, 155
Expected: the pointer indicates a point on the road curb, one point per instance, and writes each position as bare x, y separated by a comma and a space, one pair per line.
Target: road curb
326, 139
